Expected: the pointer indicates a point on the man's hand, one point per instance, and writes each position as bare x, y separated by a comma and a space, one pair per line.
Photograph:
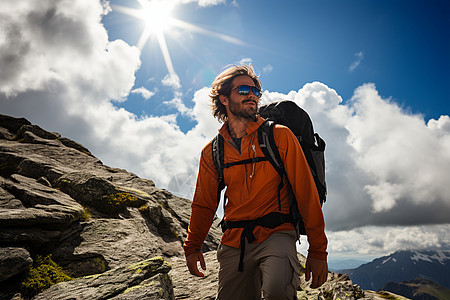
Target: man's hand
191, 262
319, 269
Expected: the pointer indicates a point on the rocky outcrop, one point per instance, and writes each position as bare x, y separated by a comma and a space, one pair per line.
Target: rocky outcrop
110, 231
57, 198
147, 279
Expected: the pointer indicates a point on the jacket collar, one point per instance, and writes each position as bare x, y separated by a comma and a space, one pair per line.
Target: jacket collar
251, 127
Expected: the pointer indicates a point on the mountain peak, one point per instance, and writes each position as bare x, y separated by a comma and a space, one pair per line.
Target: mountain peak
402, 266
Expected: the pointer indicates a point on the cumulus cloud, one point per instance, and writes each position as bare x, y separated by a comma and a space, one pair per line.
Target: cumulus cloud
373, 241
143, 92
382, 162
385, 167
180, 106
406, 159
172, 80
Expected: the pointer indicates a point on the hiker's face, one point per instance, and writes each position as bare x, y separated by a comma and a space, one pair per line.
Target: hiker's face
244, 106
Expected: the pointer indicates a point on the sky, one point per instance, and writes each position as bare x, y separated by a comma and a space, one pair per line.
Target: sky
132, 86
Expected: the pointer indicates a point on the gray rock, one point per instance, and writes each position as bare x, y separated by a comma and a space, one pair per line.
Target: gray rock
5, 134
8, 201
72, 144
85, 187
42, 205
13, 261
118, 283
156, 287
37, 131
12, 124
118, 241
187, 286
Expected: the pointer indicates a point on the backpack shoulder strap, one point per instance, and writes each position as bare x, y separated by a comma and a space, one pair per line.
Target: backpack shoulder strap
218, 159
270, 150
268, 146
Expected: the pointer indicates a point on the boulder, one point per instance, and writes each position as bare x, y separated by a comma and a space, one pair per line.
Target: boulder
146, 278
13, 261
12, 124
36, 131
116, 242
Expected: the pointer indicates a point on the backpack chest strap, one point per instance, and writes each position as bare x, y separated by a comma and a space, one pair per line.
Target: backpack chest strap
245, 161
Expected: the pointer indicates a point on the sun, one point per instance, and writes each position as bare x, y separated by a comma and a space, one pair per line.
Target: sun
158, 19
156, 15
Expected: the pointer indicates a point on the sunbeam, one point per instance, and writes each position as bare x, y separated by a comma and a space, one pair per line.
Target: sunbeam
158, 20
198, 29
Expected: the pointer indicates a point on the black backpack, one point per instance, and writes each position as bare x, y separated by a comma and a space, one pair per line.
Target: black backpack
289, 114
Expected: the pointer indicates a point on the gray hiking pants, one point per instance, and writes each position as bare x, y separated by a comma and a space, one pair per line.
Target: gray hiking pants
271, 266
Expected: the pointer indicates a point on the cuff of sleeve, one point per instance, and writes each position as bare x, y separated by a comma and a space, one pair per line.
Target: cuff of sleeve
189, 251
318, 255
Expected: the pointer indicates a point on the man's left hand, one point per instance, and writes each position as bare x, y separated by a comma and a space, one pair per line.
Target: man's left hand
319, 270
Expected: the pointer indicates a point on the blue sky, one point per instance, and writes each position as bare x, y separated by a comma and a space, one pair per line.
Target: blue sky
401, 46
373, 75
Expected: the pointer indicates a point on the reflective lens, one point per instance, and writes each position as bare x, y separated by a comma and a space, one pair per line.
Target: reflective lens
245, 90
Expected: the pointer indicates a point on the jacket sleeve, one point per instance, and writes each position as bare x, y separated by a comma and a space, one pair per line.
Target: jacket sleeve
305, 191
204, 204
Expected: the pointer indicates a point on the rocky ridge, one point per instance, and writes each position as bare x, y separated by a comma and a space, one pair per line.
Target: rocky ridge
115, 234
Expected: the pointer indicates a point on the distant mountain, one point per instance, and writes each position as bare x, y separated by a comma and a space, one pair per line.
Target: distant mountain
418, 289
341, 264
403, 266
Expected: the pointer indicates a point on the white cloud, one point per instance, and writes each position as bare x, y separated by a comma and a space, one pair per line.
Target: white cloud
357, 62
55, 43
143, 92
385, 167
407, 160
205, 2
172, 80
267, 69
374, 241
245, 61
382, 162
180, 106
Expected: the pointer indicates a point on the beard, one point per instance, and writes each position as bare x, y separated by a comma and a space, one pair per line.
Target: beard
242, 111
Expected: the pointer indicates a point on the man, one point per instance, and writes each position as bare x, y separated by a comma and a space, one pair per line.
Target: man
270, 262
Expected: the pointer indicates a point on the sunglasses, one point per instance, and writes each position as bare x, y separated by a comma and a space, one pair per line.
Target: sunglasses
244, 90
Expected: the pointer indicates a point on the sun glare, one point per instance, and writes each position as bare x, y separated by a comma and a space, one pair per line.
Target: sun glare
156, 15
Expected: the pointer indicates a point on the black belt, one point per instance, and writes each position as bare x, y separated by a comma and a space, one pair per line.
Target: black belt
271, 220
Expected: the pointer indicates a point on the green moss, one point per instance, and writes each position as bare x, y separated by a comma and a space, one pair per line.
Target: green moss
143, 264
143, 208
130, 289
43, 274
175, 233
94, 276
100, 263
116, 203
85, 215
142, 193
328, 295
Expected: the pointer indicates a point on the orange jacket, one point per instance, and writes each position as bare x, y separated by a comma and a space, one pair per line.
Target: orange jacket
252, 191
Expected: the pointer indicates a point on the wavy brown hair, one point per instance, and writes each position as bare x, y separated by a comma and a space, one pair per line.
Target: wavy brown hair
222, 86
